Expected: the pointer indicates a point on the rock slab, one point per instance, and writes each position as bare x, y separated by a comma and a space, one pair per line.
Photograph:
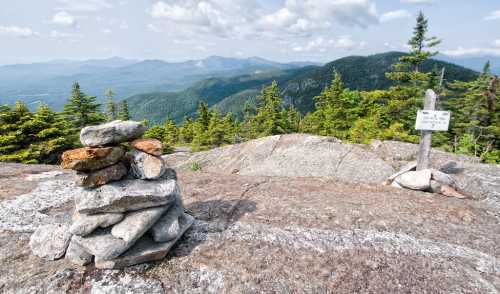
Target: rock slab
168, 227
136, 223
102, 244
111, 133
101, 177
145, 166
126, 195
77, 255
50, 241
90, 159
150, 146
146, 249
85, 224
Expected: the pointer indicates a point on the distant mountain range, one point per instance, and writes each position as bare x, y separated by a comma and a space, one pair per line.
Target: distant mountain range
50, 82
298, 86
475, 63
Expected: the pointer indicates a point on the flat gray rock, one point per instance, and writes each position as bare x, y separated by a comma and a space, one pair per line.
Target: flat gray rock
145, 250
84, 224
126, 195
146, 166
102, 244
415, 180
77, 255
50, 241
136, 223
168, 227
111, 133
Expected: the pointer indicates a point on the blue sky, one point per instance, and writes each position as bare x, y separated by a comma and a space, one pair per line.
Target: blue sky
282, 30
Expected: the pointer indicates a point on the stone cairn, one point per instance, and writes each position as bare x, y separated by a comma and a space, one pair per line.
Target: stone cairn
128, 207
427, 180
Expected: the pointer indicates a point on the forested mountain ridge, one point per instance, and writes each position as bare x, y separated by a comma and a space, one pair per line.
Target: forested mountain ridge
298, 86
49, 82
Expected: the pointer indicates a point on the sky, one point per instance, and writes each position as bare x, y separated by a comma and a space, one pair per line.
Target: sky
280, 30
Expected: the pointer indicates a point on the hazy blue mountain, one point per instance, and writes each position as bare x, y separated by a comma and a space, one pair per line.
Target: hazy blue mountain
298, 86
475, 63
50, 82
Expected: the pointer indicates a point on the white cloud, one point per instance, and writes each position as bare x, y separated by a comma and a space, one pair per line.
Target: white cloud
84, 5
64, 19
320, 44
418, 1
393, 15
496, 43
493, 15
475, 51
107, 31
244, 19
154, 28
15, 31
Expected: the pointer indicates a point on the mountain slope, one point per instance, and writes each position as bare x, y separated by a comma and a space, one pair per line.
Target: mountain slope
475, 63
156, 107
298, 86
51, 82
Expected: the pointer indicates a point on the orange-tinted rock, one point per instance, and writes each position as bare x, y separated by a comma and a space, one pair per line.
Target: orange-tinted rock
103, 176
150, 146
89, 159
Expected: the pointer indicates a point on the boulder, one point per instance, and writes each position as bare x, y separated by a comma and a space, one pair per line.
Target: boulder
90, 159
84, 224
150, 146
292, 155
126, 195
77, 255
50, 241
103, 176
136, 223
145, 166
415, 180
146, 249
111, 133
168, 228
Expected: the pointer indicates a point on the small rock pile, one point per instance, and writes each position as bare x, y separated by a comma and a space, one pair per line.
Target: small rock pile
428, 180
128, 208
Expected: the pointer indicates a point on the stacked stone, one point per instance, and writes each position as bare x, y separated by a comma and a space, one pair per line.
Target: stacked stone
427, 180
128, 209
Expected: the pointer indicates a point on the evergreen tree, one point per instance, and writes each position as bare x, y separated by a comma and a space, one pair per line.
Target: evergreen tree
171, 136
268, 119
110, 105
33, 137
123, 113
476, 119
82, 110
186, 131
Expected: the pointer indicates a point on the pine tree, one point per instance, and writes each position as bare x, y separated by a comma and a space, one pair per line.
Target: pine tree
171, 136
407, 71
110, 105
476, 119
186, 131
268, 119
123, 113
82, 110
33, 137
215, 131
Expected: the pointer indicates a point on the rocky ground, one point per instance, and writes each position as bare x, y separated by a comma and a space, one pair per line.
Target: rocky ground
288, 232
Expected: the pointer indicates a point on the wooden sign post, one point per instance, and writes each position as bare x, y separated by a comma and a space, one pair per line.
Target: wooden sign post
429, 120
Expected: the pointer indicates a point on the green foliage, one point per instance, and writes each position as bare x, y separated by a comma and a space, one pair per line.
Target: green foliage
82, 110
38, 137
110, 105
195, 166
123, 113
